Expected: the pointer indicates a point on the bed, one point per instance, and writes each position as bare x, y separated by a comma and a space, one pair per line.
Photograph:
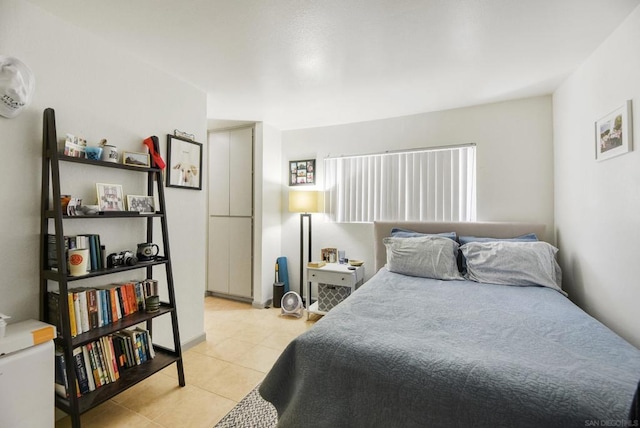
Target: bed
411, 351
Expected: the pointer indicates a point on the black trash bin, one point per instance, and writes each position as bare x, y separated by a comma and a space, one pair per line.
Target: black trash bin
278, 292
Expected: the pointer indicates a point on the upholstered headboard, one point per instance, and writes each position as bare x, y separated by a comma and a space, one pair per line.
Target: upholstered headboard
492, 229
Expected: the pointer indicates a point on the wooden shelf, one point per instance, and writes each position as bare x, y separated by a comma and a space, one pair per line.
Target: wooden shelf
128, 377
54, 275
125, 322
123, 214
85, 161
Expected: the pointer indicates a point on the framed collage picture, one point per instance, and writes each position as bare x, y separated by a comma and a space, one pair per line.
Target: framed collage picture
302, 172
614, 133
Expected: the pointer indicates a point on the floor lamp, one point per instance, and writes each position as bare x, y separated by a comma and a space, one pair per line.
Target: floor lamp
305, 203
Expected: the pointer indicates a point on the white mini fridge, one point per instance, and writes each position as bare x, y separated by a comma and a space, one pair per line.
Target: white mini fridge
27, 376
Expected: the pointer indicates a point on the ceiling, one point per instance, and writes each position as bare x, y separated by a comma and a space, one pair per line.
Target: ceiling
306, 63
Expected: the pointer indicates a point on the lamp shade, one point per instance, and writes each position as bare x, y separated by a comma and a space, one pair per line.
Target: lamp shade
303, 202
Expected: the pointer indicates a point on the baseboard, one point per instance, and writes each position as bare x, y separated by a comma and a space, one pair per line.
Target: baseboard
258, 305
255, 304
228, 296
195, 341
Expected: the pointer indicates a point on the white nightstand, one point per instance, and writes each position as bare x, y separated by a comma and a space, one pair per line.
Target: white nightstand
333, 274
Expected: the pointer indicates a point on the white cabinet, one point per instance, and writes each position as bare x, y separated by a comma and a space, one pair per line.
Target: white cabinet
231, 212
231, 173
230, 258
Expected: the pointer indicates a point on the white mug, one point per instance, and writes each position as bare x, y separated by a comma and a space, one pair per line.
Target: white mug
78, 261
109, 153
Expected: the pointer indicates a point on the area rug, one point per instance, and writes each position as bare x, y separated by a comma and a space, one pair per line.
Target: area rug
251, 412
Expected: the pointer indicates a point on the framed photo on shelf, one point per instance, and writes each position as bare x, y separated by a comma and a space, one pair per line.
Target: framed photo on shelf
302, 172
142, 204
184, 158
136, 159
329, 255
110, 197
614, 133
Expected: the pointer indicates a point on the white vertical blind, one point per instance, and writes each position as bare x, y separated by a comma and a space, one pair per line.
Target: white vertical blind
418, 185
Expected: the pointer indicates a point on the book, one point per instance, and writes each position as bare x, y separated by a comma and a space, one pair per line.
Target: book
99, 264
113, 314
130, 360
81, 371
92, 308
101, 373
53, 309
72, 315
131, 297
84, 309
122, 301
76, 308
112, 355
106, 378
118, 348
94, 365
89, 370
108, 358
93, 251
317, 264
139, 290
61, 380
52, 259
99, 309
135, 345
146, 341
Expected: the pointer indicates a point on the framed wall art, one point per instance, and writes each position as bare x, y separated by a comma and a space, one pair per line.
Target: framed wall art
302, 172
184, 158
614, 133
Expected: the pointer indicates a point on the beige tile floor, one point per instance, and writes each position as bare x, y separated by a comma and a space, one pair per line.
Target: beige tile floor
242, 344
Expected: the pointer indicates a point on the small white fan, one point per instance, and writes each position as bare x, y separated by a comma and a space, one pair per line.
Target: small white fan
291, 304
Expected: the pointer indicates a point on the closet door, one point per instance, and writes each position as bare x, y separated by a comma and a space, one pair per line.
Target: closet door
241, 172
218, 271
240, 256
219, 177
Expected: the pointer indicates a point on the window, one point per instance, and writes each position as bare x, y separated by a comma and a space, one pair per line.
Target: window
435, 184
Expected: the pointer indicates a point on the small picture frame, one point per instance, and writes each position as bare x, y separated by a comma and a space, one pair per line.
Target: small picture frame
136, 159
302, 172
184, 159
142, 204
110, 197
329, 255
614, 133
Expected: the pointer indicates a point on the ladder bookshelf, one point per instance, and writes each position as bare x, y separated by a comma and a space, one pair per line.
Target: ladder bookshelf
52, 216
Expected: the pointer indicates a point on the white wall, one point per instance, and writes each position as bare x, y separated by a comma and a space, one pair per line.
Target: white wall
514, 166
597, 204
97, 92
268, 219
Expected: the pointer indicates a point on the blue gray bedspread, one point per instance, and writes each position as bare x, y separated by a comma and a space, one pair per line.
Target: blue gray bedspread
415, 352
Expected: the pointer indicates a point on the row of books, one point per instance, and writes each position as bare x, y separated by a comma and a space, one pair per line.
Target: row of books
95, 307
97, 256
101, 362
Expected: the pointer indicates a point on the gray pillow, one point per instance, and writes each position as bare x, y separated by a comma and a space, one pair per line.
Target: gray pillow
513, 263
425, 256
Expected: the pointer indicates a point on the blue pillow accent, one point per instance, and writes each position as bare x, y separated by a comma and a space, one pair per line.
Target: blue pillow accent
397, 232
